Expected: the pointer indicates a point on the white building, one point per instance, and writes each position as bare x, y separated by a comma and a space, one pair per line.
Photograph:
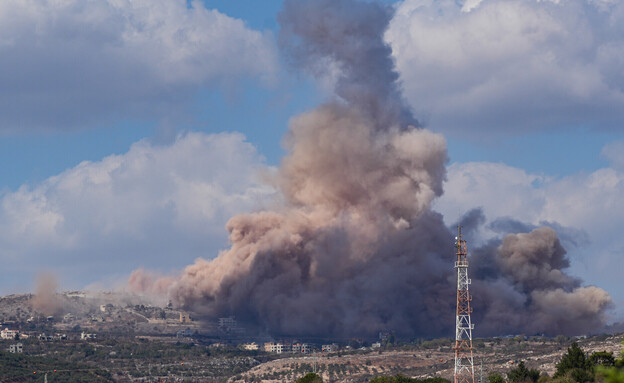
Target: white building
282, 348
330, 347
85, 336
8, 334
16, 348
277, 348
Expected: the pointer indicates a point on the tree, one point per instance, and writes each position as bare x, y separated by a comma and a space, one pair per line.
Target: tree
310, 378
612, 375
394, 379
523, 374
602, 358
615, 373
575, 365
437, 379
496, 378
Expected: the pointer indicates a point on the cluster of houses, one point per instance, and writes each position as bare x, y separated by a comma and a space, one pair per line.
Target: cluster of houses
15, 334
49, 338
280, 348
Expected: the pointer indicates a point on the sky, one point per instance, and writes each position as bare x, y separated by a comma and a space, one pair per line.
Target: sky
130, 131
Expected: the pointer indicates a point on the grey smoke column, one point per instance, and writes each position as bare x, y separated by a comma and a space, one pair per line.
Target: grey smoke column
344, 38
356, 248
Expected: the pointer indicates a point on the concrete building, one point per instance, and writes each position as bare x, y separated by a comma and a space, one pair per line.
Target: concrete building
85, 336
276, 348
185, 317
45, 337
8, 334
303, 348
330, 347
16, 348
281, 348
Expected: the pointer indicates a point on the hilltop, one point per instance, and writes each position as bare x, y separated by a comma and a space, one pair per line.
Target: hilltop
118, 337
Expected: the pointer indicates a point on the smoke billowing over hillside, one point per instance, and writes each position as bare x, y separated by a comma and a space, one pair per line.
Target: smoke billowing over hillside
356, 248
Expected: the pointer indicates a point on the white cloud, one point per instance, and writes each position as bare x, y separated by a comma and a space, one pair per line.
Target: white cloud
590, 202
154, 206
586, 201
78, 63
499, 189
509, 66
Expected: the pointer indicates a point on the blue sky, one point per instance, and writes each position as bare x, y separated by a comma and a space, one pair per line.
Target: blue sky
529, 95
36, 156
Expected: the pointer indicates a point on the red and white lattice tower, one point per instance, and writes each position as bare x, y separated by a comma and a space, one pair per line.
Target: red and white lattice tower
464, 363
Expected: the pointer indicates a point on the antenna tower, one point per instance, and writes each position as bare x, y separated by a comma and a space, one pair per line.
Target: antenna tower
464, 363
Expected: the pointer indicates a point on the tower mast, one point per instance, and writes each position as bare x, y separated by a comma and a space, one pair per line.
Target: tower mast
464, 363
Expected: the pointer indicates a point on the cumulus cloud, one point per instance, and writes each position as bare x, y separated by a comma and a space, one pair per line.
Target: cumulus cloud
582, 200
75, 63
509, 66
154, 205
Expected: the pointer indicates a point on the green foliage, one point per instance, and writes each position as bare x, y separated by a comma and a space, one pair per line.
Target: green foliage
394, 379
437, 343
575, 365
612, 375
496, 378
403, 379
16, 367
581, 376
310, 378
602, 358
437, 379
574, 358
523, 374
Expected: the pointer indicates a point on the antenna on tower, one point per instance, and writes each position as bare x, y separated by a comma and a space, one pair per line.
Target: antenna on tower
464, 363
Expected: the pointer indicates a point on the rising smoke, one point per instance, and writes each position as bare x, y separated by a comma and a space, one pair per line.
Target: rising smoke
356, 248
46, 300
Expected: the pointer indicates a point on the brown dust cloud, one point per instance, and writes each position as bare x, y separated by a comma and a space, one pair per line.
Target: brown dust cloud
355, 247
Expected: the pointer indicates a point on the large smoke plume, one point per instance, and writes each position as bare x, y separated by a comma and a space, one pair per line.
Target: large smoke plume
356, 248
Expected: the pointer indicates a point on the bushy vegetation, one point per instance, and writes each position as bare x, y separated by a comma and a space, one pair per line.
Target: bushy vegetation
403, 379
16, 367
523, 374
573, 367
310, 378
610, 369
